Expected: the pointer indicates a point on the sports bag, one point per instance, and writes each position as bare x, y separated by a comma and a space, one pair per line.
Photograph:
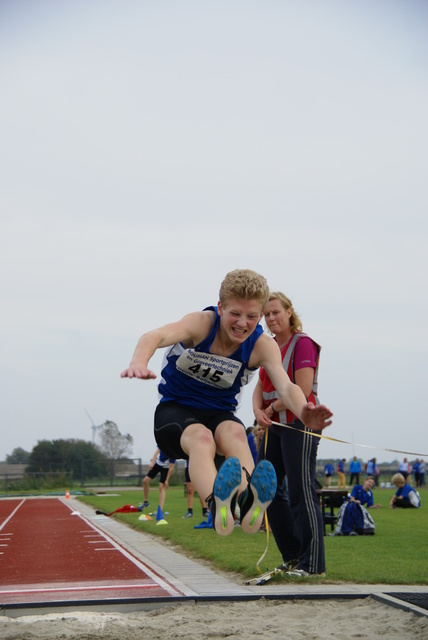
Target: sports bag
353, 518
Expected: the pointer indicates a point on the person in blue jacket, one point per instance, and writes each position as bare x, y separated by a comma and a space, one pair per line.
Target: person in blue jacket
416, 472
362, 493
405, 496
328, 472
253, 441
355, 470
353, 518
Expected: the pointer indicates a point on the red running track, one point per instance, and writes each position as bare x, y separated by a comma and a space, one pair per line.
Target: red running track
50, 553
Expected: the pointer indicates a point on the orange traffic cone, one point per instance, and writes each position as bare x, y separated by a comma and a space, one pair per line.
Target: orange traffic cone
67, 494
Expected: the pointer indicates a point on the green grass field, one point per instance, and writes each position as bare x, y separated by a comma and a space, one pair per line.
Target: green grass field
396, 554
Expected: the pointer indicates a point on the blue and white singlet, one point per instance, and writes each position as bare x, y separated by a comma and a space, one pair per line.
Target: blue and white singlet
196, 378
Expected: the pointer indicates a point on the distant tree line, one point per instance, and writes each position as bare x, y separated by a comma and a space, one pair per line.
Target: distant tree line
50, 456
18, 456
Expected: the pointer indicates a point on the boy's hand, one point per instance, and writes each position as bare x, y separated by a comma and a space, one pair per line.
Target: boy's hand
138, 372
316, 417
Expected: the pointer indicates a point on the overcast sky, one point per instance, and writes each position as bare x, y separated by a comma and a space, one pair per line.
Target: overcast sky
149, 147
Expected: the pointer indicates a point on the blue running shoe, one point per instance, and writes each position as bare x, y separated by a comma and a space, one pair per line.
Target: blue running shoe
257, 496
223, 499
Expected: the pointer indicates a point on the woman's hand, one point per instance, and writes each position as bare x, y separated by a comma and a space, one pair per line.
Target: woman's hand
262, 419
316, 417
269, 411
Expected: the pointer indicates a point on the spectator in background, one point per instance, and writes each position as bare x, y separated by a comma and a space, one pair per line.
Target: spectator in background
416, 467
373, 470
328, 472
409, 474
362, 493
403, 469
353, 518
406, 496
190, 495
164, 466
422, 473
341, 473
254, 436
355, 470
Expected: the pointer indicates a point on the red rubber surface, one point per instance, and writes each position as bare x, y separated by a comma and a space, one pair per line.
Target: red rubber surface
50, 553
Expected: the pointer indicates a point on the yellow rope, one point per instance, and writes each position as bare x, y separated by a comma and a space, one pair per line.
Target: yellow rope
319, 435
265, 519
368, 446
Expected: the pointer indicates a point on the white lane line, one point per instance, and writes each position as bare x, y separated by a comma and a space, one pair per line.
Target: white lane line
105, 549
11, 515
143, 567
89, 588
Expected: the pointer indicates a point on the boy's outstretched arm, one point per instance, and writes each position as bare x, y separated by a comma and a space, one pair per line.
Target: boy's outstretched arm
190, 330
146, 347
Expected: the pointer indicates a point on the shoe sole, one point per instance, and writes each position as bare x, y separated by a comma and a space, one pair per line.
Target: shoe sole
226, 487
263, 487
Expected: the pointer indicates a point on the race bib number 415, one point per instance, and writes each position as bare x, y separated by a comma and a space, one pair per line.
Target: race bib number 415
215, 371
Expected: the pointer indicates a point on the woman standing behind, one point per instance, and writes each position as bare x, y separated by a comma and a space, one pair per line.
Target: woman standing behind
297, 525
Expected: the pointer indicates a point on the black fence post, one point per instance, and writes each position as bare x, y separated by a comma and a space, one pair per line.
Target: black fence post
140, 473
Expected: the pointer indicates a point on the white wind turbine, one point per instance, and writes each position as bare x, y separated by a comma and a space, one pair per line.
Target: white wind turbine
94, 426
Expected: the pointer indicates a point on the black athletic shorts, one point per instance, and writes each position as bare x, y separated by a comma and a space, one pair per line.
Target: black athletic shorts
172, 418
163, 471
186, 474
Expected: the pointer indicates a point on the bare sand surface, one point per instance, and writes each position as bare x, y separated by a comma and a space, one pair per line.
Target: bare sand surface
267, 619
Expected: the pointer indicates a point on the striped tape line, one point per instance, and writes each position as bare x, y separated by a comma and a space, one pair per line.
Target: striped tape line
367, 446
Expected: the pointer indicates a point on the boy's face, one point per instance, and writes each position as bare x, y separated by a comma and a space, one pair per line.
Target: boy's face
239, 317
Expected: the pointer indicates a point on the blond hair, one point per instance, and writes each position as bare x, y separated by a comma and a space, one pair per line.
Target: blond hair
399, 479
295, 322
244, 284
